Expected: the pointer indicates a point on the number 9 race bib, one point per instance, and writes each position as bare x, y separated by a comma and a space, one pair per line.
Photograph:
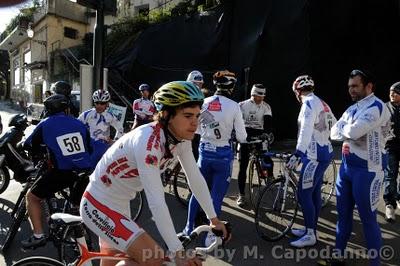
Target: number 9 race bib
71, 143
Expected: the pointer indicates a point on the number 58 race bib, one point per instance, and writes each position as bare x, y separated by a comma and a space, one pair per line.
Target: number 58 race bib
71, 143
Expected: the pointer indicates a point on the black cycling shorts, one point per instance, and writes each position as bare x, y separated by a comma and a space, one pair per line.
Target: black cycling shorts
53, 181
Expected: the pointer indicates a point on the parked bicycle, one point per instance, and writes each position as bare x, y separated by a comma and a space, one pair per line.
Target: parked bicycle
175, 179
277, 204
260, 169
73, 229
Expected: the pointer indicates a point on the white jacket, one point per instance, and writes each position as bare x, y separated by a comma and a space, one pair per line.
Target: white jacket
314, 122
99, 124
364, 129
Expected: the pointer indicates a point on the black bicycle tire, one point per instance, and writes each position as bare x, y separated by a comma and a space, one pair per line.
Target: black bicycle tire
15, 225
328, 196
6, 177
176, 177
266, 191
253, 195
38, 261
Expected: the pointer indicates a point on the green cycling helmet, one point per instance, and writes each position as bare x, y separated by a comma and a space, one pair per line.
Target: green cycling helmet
176, 93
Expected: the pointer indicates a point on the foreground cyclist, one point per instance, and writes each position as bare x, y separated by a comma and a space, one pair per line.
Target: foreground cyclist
68, 142
135, 162
315, 152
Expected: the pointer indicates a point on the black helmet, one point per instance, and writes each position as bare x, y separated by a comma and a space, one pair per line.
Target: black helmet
19, 121
61, 87
56, 103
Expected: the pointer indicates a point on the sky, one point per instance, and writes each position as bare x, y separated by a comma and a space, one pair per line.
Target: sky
6, 14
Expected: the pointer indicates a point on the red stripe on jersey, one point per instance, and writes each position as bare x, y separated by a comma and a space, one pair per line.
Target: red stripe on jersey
119, 230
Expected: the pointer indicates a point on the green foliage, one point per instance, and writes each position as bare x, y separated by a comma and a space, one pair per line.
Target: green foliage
25, 14
124, 28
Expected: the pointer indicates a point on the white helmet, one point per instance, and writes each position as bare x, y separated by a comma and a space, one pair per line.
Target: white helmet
101, 96
304, 82
258, 90
195, 76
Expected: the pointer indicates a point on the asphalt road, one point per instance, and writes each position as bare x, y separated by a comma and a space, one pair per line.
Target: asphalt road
246, 247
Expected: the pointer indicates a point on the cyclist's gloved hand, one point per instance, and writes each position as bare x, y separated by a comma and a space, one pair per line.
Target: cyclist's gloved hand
293, 161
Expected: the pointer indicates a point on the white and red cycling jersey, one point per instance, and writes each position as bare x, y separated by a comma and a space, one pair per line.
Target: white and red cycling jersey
143, 109
135, 162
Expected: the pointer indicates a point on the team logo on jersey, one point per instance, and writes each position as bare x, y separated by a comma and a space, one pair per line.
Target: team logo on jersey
151, 160
215, 105
154, 139
106, 181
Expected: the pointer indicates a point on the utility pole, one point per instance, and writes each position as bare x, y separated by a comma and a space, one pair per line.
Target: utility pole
98, 47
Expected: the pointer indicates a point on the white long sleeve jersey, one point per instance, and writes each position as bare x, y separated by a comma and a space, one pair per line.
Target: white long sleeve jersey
135, 162
253, 114
99, 124
219, 117
364, 129
143, 109
314, 123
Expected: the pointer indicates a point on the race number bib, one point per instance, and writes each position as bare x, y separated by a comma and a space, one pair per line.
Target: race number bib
71, 143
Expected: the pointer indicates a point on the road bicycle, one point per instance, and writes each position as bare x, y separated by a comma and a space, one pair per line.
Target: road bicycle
175, 179
74, 230
277, 204
260, 166
59, 202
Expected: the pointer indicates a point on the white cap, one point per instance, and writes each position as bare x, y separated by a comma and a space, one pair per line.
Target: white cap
258, 90
195, 76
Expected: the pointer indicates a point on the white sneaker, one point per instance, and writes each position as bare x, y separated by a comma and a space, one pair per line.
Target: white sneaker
389, 213
299, 232
398, 204
305, 241
210, 238
241, 201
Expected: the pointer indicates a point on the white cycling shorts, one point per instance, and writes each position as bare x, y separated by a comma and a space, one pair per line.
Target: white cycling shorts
113, 227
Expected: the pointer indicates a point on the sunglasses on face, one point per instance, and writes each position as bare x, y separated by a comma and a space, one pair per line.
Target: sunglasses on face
101, 103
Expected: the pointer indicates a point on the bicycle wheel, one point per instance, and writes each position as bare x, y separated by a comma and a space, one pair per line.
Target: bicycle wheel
255, 183
328, 183
19, 216
275, 214
181, 188
136, 205
38, 261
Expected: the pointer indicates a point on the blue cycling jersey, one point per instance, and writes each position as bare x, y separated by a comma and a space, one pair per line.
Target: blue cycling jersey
67, 139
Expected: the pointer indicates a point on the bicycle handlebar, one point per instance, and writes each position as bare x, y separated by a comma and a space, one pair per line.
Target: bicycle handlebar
206, 228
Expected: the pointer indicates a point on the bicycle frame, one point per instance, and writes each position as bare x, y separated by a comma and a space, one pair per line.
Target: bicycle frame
86, 256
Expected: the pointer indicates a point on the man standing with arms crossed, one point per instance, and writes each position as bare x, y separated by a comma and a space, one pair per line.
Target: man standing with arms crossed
364, 129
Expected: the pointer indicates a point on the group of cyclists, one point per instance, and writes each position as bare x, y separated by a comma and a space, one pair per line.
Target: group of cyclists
164, 129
